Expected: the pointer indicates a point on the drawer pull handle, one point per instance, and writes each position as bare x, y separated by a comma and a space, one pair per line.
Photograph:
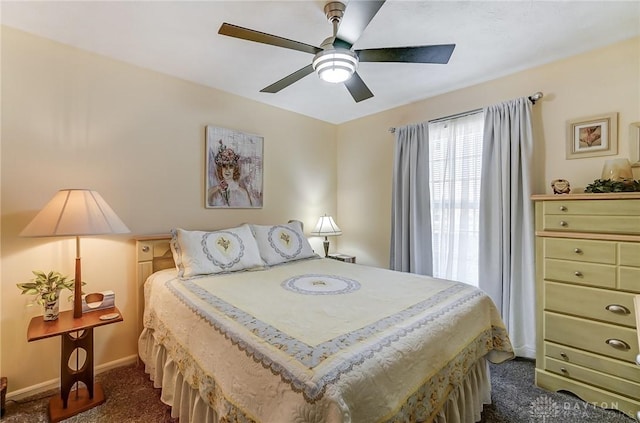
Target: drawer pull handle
617, 309
563, 223
577, 251
563, 370
145, 249
618, 344
565, 356
563, 208
578, 274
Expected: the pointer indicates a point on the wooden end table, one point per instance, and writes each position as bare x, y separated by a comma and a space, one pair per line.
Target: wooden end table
74, 333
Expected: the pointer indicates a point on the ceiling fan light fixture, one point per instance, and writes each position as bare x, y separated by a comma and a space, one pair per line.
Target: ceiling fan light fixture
335, 65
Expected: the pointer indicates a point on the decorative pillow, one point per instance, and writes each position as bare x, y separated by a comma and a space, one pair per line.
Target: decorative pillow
203, 253
282, 243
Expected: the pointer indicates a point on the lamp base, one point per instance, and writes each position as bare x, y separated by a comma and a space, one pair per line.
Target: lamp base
325, 243
77, 291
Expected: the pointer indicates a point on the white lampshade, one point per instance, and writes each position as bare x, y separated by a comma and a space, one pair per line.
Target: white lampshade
74, 212
617, 170
335, 65
326, 226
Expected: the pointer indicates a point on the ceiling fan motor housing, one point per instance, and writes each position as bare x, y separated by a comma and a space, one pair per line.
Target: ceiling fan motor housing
334, 11
334, 64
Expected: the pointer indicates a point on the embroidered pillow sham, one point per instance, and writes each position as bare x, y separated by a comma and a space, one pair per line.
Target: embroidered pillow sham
203, 253
282, 243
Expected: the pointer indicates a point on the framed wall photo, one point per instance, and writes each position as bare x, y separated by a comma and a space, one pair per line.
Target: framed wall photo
234, 169
592, 136
634, 148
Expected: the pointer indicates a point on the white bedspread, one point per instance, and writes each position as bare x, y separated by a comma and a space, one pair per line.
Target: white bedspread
322, 341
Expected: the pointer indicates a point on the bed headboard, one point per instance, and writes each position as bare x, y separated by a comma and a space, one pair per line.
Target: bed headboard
153, 253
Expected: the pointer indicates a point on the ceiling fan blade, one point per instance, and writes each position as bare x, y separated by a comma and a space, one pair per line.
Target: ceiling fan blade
261, 37
358, 89
357, 16
288, 80
423, 54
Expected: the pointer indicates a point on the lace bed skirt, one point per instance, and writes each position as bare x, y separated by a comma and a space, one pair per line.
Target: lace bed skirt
464, 404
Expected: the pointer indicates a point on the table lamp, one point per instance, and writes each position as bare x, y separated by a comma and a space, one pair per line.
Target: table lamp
75, 212
326, 227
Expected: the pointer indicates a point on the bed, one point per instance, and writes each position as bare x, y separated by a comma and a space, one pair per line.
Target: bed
288, 336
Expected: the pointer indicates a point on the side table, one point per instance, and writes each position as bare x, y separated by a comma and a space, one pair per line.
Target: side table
75, 334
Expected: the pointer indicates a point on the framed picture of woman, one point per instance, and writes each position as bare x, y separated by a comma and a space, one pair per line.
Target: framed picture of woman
234, 169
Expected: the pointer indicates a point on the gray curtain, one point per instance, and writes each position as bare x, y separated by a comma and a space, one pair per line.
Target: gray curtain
507, 246
411, 249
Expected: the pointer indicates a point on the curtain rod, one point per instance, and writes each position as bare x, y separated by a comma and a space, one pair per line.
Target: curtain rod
533, 98
457, 115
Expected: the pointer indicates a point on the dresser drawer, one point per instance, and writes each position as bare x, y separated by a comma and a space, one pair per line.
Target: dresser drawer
580, 250
592, 224
580, 273
629, 254
593, 207
593, 361
593, 377
629, 278
591, 336
599, 304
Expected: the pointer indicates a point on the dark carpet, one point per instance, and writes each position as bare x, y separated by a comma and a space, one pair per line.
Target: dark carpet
516, 399
131, 398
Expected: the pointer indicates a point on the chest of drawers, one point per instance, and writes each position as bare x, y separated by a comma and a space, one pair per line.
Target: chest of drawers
587, 273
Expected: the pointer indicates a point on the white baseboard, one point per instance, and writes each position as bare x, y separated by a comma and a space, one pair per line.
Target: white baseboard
55, 383
125, 361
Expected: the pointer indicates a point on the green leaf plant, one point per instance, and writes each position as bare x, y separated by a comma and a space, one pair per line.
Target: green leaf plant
46, 286
608, 185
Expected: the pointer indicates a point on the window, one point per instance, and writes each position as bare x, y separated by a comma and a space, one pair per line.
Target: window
455, 157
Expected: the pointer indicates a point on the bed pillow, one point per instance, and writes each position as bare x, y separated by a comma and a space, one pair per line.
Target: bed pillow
204, 253
282, 243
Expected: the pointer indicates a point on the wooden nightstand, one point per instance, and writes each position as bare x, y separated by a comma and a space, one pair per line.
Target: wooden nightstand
74, 333
342, 257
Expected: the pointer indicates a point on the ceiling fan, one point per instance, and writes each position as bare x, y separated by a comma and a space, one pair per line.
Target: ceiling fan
335, 60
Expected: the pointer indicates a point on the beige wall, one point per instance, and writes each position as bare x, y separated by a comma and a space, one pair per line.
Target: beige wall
77, 120
602, 81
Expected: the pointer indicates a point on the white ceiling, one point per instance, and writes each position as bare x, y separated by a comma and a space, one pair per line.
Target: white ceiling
180, 38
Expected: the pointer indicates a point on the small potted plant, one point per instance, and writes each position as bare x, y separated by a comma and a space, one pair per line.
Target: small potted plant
46, 287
